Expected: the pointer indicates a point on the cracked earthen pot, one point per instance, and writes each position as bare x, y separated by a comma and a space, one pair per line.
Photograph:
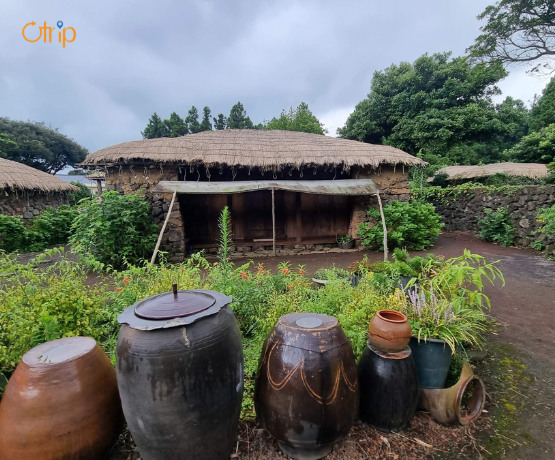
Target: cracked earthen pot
61, 403
389, 331
306, 391
180, 375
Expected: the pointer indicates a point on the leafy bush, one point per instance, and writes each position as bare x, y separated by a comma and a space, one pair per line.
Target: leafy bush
496, 226
49, 228
546, 218
114, 229
414, 225
330, 274
76, 196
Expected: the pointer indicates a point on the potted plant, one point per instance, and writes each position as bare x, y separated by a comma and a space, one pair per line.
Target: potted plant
323, 275
345, 242
359, 269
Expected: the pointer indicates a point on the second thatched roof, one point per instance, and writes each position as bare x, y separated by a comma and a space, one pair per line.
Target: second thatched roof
533, 170
17, 176
265, 149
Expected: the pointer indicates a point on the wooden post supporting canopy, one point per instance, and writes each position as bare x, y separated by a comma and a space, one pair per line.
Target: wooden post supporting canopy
273, 221
385, 251
163, 229
99, 186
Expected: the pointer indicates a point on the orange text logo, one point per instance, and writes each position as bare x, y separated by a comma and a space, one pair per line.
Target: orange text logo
33, 34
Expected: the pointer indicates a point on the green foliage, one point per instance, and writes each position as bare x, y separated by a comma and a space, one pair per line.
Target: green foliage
546, 218
445, 194
206, 123
220, 122
536, 147
175, 126
344, 238
73, 197
155, 128
114, 229
298, 119
192, 120
497, 226
441, 109
39, 146
414, 225
49, 228
225, 240
331, 274
238, 118
517, 31
543, 109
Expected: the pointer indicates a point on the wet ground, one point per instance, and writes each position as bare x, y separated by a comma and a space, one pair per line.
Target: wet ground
519, 372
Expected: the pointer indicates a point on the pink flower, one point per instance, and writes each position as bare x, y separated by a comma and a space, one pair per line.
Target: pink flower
79, 212
99, 200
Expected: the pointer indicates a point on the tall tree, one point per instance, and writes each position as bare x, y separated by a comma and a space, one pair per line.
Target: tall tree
220, 122
518, 31
543, 108
175, 126
536, 147
192, 120
238, 118
299, 119
206, 123
438, 108
155, 128
38, 146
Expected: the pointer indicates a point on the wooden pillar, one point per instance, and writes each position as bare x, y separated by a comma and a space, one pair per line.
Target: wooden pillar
299, 230
99, 186
273, 221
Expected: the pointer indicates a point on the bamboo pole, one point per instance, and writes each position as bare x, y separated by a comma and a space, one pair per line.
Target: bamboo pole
385, 251
163, 229
273, 222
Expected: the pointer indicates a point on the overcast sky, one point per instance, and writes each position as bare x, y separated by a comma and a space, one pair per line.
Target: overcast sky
135, 57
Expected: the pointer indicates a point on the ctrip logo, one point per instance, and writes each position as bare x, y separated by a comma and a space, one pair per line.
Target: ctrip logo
45, 33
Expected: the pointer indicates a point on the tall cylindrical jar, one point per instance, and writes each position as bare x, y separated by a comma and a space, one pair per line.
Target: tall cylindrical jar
180, 375
306, 392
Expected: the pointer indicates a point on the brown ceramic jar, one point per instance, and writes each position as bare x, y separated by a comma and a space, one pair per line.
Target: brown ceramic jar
306, 391
389, 331
61, 403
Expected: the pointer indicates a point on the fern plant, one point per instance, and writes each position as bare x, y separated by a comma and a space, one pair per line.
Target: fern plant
497, 227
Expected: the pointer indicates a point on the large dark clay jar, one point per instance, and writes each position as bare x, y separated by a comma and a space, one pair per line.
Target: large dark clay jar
180, 375
306, 392
61, 403
388, 388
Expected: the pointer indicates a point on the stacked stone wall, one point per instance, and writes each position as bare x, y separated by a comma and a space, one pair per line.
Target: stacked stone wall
463, 212
29, 204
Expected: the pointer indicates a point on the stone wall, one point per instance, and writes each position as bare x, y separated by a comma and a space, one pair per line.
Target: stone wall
29, 204
144, 179
463, 212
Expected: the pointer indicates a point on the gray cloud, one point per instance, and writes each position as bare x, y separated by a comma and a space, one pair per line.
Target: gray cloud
134, 57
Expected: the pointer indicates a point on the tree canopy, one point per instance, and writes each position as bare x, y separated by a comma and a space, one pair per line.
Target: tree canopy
543, 108
238, 118
299, 119
206, 123
38, 146
220, 122
192, 120
441, 109
536, 147
518, 31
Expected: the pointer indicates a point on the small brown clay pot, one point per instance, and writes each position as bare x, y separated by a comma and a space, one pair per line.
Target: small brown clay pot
389, 331
61, 403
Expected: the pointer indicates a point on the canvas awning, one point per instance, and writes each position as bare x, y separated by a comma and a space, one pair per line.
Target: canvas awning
320, 187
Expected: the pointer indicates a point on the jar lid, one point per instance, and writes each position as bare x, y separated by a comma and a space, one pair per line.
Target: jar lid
174, 305
173, 309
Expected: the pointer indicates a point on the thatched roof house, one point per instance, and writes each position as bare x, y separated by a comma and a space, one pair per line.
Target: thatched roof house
17, 176
532, 170
27, 191
312, 183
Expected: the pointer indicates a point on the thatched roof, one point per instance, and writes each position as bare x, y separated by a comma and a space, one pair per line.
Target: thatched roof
265, 149
17, 176
533, 170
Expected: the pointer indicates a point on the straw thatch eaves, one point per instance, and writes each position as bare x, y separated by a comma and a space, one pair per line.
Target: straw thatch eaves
17, 176
264, 149
533, 170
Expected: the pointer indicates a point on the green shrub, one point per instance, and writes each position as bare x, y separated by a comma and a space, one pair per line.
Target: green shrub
114, 229
13, 233
74, 197
496, 226
546, 218
414, 225
330, 274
